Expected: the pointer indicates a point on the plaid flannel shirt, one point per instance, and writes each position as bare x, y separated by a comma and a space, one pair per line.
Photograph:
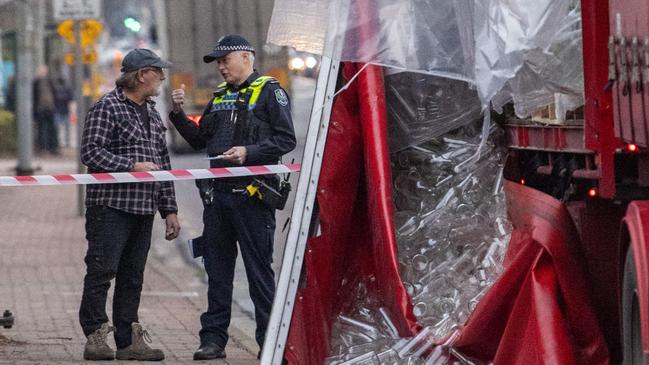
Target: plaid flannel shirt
113, 140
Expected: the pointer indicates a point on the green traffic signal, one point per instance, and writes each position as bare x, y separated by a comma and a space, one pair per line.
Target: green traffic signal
132, 24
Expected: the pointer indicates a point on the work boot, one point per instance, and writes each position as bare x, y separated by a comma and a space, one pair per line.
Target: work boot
96, 346
138, 349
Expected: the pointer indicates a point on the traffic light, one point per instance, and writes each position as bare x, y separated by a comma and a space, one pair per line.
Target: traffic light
132, 24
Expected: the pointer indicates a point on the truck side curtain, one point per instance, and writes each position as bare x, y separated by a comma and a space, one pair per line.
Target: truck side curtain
539, 311
357, 239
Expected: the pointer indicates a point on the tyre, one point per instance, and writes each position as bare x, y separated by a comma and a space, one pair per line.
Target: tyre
631, 332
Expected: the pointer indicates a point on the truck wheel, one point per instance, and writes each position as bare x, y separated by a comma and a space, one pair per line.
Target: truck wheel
631, 332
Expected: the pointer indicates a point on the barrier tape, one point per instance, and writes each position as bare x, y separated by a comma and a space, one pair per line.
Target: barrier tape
131, 177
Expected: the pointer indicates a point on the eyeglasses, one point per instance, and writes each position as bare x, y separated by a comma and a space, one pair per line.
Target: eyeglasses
157, 70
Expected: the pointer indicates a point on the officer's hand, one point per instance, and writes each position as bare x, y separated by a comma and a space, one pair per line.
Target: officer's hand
145, 166
236, 154
173, 227
178, 98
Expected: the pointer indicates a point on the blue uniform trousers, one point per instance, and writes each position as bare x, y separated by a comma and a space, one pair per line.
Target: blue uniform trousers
233, 218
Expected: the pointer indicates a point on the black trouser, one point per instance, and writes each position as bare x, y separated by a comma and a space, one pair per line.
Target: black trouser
47, 132
118, 244
231, 218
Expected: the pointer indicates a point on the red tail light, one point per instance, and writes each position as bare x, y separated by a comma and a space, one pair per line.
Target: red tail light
195, 118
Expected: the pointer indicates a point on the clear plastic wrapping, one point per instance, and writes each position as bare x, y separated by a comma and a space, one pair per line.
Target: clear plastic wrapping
451, 228
452, 232
451, 224
421, 107
527, 52
301, 24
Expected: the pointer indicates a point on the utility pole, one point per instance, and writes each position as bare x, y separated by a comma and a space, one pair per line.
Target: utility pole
81, 109
162, 31
77, 17
25, 51
38, 40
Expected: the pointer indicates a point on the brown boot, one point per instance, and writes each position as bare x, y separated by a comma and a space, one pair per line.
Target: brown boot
139, 349
96, 347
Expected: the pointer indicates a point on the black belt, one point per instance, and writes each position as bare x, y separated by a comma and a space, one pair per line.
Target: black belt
225, 187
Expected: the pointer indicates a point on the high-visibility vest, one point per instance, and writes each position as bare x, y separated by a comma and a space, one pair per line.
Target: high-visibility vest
226, 99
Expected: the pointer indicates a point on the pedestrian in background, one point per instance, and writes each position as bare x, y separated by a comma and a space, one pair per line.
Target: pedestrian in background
10, 95
44, 107
63, 96
124, 132
248, 122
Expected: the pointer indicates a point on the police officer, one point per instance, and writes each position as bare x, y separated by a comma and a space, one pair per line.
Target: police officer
248, 122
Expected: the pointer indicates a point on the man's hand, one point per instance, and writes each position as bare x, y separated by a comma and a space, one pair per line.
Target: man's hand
145, 166
178, 99
236, 154
173, 227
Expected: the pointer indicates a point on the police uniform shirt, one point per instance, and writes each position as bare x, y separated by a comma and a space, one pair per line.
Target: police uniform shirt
272, 108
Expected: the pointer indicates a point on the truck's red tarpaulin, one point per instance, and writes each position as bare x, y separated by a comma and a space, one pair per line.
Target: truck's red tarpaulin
355, 212
538, 311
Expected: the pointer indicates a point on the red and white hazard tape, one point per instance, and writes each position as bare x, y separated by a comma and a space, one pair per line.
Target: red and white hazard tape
130, 177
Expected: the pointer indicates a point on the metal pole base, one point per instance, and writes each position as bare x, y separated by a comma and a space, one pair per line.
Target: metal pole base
7, 319
22, 171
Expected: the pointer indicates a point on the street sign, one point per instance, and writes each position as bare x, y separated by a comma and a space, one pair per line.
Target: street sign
68, 58
66, 30
90, 31
88, 57
76, 9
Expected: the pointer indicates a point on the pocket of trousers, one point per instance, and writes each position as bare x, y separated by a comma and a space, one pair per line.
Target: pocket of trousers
270, 240
94, 231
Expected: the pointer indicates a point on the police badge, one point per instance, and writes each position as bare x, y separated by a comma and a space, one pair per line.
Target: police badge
281, 97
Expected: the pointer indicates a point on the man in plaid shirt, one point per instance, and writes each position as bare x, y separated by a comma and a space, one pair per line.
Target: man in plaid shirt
124, 132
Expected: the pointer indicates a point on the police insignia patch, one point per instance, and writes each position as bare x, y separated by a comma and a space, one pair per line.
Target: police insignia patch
281, 97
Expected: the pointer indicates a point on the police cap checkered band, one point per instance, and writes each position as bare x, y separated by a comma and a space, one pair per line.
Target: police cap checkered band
227, 44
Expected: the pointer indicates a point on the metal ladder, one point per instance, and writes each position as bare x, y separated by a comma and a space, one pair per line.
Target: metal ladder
291, 269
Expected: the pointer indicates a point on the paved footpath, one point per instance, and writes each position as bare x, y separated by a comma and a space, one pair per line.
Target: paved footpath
42, 247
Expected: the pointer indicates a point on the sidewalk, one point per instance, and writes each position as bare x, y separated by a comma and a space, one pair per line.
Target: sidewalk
41, 278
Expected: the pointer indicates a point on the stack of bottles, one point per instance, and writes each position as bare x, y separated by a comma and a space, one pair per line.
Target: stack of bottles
452, 232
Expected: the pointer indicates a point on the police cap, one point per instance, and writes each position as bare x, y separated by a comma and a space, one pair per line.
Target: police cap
142, 57
227, 44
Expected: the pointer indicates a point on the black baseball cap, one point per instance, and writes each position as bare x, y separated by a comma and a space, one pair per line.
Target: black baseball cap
142, 57
227, 44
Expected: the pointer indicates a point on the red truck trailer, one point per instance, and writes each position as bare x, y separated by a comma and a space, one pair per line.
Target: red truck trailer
602, 160
576, 284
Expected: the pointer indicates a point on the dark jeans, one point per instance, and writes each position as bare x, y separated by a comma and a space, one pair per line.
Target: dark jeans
232, 218
47, 132
118, 244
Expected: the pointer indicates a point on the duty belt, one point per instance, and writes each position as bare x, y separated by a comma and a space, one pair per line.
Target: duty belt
225, 187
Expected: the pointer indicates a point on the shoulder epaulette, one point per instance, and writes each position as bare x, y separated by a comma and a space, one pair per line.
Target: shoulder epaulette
262, 80
221, 89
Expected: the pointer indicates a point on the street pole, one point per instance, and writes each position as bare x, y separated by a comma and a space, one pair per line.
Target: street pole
24, 90
3, 99
160, 16
39, 33
81, 109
